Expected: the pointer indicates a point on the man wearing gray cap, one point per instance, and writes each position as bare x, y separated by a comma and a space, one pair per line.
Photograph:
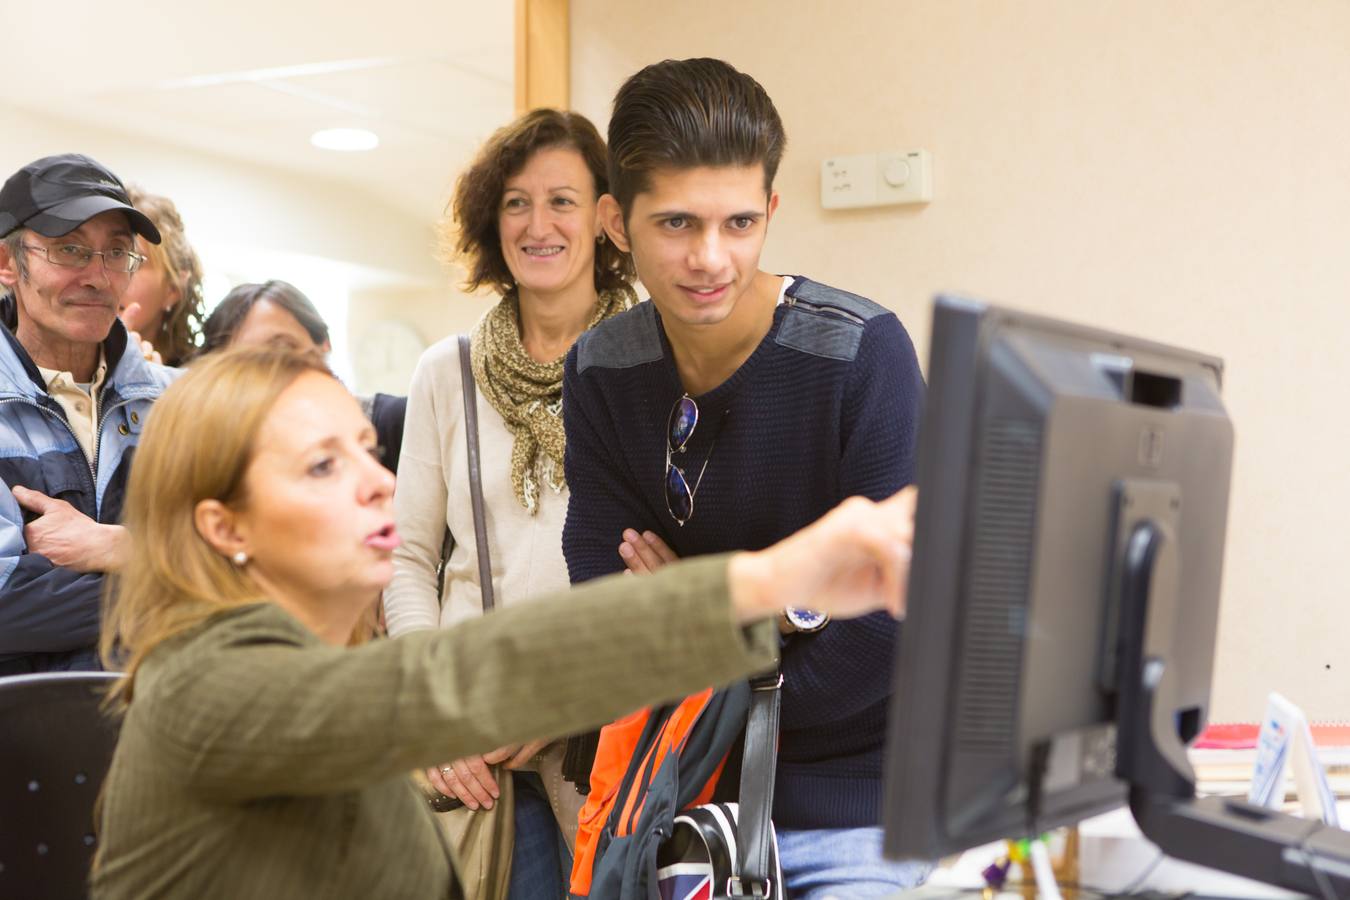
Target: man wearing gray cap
73, 400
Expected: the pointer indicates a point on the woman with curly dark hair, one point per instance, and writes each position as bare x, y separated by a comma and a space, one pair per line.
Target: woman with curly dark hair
524, 224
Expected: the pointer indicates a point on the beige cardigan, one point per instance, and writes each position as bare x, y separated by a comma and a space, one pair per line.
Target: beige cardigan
433, 492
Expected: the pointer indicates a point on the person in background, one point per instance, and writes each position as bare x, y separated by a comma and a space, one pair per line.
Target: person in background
734, 408
524, 223
277, 314
260, 756
74, 396
164, 302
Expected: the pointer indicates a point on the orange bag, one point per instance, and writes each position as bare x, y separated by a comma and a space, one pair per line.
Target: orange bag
613, 757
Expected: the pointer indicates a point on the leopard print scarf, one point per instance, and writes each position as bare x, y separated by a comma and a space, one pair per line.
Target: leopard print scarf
528, 393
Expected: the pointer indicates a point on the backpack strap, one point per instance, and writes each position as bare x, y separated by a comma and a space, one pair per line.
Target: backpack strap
754, 829
637, 783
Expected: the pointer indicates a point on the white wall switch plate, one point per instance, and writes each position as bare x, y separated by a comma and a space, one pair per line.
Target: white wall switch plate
876, 179
904, 177
848, 181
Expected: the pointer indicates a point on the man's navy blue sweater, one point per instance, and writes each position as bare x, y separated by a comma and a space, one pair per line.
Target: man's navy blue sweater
826, 407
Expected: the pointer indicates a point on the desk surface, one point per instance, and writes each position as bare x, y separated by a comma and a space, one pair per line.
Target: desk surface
1112, 855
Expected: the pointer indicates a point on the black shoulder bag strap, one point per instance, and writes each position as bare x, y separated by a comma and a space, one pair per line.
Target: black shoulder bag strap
580, 752
445, 804
475, 473
760, 760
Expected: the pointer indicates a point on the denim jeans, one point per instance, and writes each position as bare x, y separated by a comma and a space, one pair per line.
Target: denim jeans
540, 863
842, 863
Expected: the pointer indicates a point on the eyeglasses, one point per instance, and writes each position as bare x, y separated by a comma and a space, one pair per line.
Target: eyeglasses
679, 429
73, 256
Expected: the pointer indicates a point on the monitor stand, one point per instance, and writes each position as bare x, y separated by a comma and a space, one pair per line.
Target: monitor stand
1221, 833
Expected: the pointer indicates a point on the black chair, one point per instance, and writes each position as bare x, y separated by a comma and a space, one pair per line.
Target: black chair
55, 747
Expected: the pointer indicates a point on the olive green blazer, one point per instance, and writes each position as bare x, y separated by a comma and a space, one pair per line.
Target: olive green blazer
256, 761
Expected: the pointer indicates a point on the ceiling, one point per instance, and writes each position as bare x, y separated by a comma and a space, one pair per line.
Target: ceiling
252, 80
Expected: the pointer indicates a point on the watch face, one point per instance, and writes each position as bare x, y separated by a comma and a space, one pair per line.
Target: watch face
806, 619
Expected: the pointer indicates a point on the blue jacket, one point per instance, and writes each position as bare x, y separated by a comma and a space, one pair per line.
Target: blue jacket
49, 616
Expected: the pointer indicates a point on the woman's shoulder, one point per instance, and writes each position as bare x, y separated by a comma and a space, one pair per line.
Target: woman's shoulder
248, 625
444, 354
439, 363
446, 348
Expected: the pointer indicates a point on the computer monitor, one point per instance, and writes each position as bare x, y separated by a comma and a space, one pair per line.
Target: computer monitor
1057, 651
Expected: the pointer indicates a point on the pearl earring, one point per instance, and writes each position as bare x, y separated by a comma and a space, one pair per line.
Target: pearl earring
240, 558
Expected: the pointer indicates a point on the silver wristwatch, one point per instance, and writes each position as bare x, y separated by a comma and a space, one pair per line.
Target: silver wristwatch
806, 620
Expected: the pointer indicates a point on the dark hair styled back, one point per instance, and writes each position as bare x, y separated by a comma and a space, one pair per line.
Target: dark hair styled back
226, 318
681, 114
470, 236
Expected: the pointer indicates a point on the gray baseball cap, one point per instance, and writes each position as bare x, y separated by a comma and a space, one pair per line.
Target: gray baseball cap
57, 194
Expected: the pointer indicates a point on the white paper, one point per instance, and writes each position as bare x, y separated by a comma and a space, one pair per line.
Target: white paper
1284, 737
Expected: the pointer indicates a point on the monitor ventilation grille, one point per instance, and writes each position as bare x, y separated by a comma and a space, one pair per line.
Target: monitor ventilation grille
998, 586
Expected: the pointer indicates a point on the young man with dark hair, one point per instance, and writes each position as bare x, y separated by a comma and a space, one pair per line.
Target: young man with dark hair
735, 407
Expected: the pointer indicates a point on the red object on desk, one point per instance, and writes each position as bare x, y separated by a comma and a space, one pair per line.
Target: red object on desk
1242, 736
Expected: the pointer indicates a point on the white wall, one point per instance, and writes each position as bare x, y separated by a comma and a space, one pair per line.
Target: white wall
432, 315
1177, 170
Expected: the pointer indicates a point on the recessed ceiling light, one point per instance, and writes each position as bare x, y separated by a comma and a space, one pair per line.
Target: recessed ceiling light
347, 139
